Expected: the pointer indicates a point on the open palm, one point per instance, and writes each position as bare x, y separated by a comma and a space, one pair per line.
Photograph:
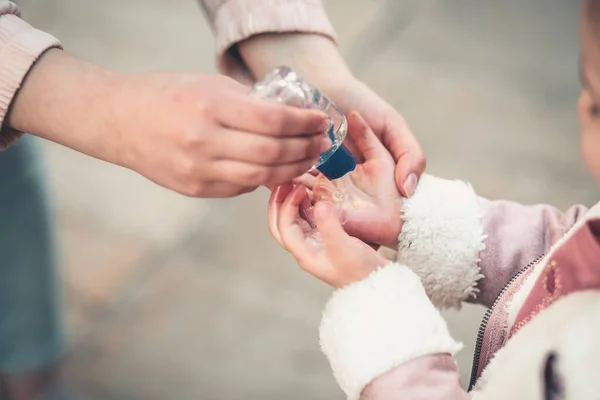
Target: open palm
323, 249
368, 197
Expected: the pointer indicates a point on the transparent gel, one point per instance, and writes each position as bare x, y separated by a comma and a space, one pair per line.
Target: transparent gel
334, 192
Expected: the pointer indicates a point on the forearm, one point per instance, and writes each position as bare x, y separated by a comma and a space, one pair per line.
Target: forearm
431, 377
46, 92
313, 56
517, 234
248, 30
66, 100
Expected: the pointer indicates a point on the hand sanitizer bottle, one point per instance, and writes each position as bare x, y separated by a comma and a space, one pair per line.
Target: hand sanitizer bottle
285, 86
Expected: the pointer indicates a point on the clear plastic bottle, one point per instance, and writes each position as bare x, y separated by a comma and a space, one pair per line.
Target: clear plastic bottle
285, 86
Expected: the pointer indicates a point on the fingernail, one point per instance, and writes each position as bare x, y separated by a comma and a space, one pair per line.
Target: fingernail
325, 144
410, 184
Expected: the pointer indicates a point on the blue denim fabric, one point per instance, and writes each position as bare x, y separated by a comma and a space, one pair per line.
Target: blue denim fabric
30, 321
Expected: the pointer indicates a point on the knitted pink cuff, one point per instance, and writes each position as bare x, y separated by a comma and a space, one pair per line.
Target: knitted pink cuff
20, 47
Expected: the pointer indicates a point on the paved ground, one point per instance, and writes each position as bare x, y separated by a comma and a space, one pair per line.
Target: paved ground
169, 297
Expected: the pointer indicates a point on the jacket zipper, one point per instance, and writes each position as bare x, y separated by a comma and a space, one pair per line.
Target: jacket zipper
486, 317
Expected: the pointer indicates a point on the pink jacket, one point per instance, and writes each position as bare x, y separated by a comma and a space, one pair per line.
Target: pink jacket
232, 21
536, 268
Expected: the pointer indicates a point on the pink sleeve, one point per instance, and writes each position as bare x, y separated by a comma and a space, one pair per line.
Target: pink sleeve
517, 235
21, 46
466, 248
236, 20
384, 339
431, 377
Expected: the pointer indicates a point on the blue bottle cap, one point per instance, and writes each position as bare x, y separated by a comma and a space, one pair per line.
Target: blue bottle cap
338, 164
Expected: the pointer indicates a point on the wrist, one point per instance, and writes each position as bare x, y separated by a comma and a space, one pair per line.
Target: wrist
66, 100
392, 241
313, 56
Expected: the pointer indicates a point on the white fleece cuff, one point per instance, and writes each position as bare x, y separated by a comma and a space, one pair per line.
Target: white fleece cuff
441, 239
374, 325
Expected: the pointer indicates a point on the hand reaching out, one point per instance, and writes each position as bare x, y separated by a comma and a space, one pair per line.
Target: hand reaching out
304, 217
200, 135
327, 252
368, 197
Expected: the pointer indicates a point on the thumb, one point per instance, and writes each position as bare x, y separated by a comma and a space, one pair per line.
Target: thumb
364, 138
407, 153
330, 227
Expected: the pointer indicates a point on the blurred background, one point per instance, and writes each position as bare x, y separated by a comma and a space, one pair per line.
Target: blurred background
170, 297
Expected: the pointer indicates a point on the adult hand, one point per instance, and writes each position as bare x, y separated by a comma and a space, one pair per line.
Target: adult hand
318, 60
200, 135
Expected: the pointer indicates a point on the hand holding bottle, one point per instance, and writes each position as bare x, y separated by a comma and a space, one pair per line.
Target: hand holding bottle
318, 60
200, 135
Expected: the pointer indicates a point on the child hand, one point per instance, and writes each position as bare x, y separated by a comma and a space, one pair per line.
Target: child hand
327, 251
368, 198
